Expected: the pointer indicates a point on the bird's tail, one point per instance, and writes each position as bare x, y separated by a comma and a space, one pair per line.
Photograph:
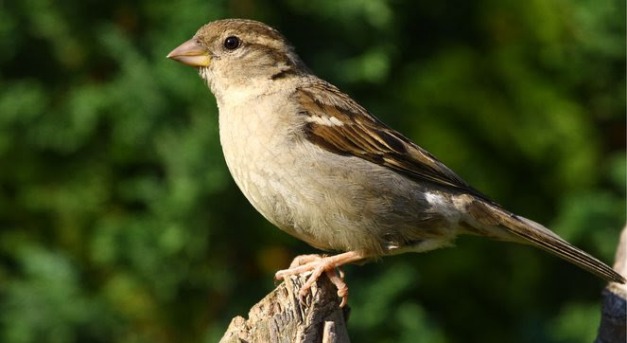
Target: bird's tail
533, 233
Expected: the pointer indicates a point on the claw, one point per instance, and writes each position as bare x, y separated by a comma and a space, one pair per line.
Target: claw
317, 265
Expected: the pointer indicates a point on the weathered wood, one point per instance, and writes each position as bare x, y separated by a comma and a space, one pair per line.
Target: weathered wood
283, 317
613, 327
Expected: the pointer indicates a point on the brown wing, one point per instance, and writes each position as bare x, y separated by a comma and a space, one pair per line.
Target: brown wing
337, 123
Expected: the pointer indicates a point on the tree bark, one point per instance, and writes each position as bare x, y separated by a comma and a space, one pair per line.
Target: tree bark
282, 316
613, 325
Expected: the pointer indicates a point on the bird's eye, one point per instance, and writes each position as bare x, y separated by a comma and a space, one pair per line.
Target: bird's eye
231, 42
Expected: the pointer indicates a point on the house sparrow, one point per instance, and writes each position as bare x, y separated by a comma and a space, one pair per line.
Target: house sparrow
320, 167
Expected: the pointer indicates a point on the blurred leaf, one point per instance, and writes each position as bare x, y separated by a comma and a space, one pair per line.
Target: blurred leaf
119, 221
577, 323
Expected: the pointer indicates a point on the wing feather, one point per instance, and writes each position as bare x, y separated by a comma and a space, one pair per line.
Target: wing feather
337, 123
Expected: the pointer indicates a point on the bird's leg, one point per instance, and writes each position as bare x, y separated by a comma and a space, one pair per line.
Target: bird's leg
317, 265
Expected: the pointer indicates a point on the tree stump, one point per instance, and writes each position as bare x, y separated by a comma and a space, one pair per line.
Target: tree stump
282, 316
613, 327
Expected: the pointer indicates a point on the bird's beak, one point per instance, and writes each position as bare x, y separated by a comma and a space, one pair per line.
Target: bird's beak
191, 53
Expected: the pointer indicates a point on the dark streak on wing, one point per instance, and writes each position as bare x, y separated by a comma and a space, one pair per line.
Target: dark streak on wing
364, 136
283, 73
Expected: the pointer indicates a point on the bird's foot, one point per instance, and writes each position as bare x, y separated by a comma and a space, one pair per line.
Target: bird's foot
317, 264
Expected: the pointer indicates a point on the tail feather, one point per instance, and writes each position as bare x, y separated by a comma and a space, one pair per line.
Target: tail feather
543, 238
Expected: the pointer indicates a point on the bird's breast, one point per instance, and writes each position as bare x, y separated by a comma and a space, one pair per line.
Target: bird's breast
255, 142
331, 201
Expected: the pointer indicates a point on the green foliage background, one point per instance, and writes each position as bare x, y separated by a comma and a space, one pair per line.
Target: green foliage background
120, 223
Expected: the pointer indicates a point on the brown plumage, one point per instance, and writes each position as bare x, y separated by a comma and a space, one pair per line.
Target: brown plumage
322, 168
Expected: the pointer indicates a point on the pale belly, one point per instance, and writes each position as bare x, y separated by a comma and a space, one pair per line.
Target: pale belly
330, 201
357, 205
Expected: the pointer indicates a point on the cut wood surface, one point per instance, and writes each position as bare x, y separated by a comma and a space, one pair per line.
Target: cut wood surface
613, 327
282, 316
